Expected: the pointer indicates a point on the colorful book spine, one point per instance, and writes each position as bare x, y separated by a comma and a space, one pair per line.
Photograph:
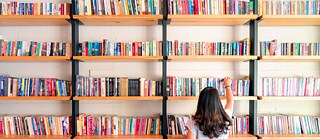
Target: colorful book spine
272, 48
117, 86
24, 8
177, 48
107, 48
32, 48
35, 125
293, 7
289, 87
288, 124
12, 86
116, 125
193, 86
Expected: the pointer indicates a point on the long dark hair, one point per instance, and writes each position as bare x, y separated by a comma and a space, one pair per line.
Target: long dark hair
210, 116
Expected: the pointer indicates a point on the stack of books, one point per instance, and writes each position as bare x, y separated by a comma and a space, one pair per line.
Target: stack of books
291, 7
13, 86
35, 125
193, 86
25, 8
117, 86
116, 125
33, 48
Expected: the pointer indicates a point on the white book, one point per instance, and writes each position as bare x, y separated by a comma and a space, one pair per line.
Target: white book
103, 87
154, 47
142, 80
147, 48
105, 7
109, 7
15, 86
48, 49
9, 87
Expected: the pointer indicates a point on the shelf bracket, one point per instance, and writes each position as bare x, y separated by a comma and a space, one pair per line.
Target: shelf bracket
160, 21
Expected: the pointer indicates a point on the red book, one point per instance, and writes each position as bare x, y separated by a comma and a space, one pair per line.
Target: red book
122, 49
53, 87
241, 48
138, 126
195, 9
137, 49
86, 49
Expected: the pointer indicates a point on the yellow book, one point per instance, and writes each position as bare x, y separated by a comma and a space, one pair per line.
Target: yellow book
39, 8
58, 88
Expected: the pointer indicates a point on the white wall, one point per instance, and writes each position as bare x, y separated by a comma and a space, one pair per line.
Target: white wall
153, 70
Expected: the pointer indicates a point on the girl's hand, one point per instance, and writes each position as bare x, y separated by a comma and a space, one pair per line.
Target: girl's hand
227, 81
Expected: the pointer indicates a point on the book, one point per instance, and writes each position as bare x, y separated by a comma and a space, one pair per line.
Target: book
33, 48
291, 7
13, 86
193, 86
117, 86
117, 125
27, 8
35, 125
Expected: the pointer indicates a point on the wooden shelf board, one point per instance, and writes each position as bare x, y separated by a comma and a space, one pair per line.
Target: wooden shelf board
288, 97
290, 20
222, 98
210, 20
118, 20
33, 137
119, 98
289, 136
118, 58
34, 20
121, 137
36, 98
289, 58
233, 136
33, 58
210, 58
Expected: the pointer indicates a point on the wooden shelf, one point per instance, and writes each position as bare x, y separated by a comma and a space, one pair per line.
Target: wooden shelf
210, 58
289, 136
34, 20
233, 136
118, 58
290, 20
222, 98
36, 98
121, 137
118, 20
210, 20
33, 137
288, 97
33, 58
119, 98
289, 58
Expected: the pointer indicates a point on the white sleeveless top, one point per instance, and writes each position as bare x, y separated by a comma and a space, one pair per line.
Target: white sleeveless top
192, 127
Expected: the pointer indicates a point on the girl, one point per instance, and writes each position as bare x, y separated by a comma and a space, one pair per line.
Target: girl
211, 120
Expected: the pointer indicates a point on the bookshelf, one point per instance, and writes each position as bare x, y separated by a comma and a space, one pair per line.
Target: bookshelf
289, 20
222, 98
288, 98
34, 20
210, 20
121, 137
37, 98
211, 58
289, 136
137, 98
289, 58
33, 58
118, 20
118, 58
240, 136
34, 137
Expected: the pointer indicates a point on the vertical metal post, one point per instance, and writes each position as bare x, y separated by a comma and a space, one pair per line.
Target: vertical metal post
253, 70
164, 69
75, 70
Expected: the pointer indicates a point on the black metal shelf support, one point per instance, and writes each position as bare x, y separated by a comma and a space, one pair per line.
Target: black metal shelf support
253, 71
164, 22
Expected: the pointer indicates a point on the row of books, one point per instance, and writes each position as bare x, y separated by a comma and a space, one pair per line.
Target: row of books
35, 125
292, 49
291, 7
288, 124
24, 8
289, 86
209, 7
177, 124
121, 7
116, 125
12, 86
108, 48
117, 86
177, 48
193, 86
33, 48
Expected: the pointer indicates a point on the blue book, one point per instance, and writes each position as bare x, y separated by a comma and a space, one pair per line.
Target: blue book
244, 47
190, 7
30, 88
307, 7
90, 49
